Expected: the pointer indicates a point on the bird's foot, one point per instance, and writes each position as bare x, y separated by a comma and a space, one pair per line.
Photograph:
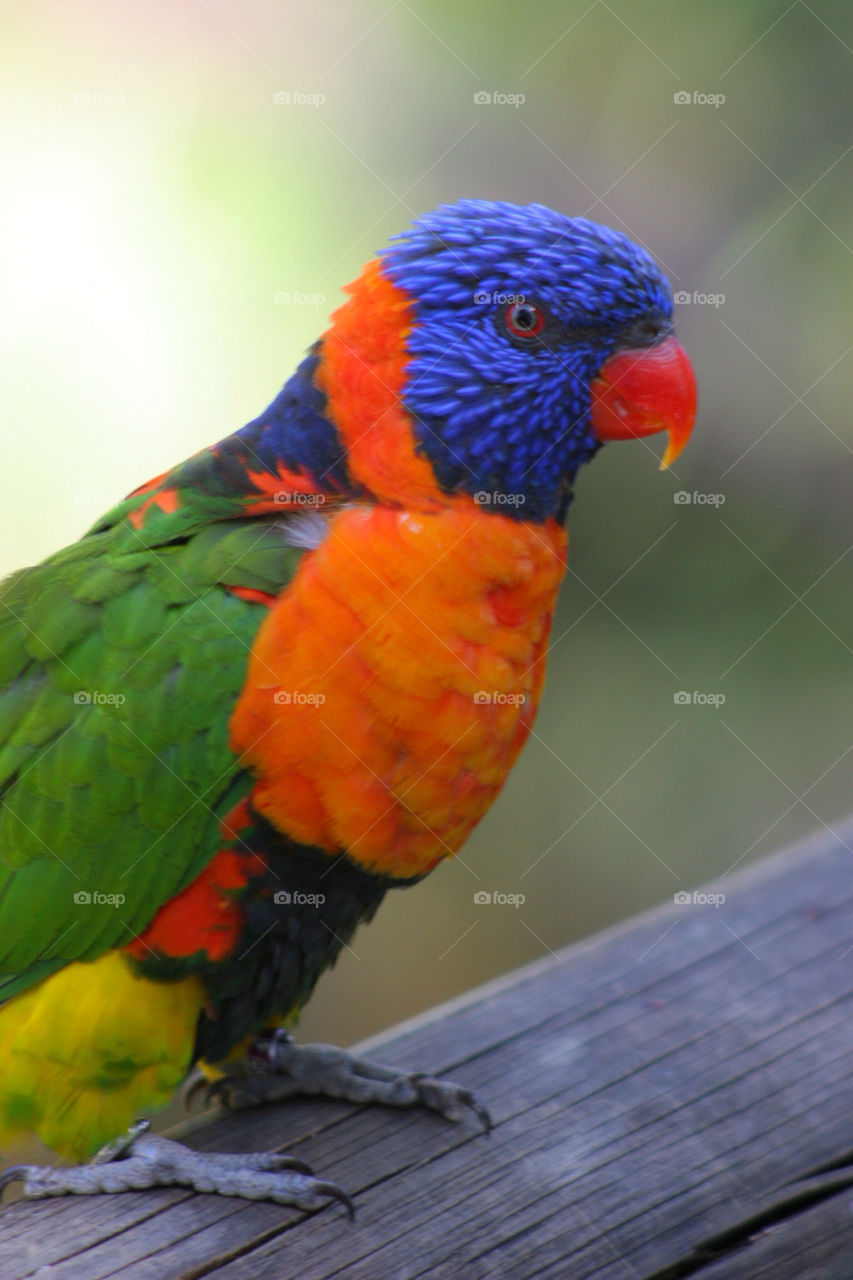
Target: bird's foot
277, 1068
140, 1160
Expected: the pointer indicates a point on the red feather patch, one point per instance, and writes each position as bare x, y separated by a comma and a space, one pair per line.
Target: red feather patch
206, 916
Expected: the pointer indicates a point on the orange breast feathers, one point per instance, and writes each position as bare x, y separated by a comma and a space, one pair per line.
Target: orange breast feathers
394, 682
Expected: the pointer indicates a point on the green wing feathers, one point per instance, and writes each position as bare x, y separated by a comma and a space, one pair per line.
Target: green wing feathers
120, 663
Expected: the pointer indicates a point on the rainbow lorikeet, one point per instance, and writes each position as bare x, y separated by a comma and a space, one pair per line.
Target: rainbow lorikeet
275, 682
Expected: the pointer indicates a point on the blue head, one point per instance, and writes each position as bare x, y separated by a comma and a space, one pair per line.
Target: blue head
517, 310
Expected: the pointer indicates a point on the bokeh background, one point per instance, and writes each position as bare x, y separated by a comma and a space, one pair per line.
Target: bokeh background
186, 186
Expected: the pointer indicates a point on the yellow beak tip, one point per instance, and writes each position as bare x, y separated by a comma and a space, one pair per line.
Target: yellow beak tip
673, 449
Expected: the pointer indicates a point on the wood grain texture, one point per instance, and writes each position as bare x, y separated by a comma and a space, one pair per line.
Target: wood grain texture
672, 1098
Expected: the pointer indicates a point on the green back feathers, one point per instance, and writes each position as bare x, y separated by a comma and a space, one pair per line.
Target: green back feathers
121, 658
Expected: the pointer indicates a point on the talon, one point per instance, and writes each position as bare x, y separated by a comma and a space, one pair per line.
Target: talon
447, 1098
481, 1111
335, 1192
217, 1091
192, 1088
17, 1173
221, 1091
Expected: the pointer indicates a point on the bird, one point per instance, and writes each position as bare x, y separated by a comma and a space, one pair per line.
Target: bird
291, 674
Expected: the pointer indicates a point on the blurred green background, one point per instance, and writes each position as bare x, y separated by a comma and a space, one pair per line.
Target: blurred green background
156, 199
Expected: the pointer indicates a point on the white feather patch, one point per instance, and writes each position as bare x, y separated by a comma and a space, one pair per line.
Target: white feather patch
306, 528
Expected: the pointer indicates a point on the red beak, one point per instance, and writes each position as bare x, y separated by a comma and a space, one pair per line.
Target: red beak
640, 392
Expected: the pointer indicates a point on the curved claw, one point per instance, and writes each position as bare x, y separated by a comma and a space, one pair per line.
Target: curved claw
17, 1173
481, 1111
334, 1192
211, 1091
217, 1091
465, 1097
192, 1087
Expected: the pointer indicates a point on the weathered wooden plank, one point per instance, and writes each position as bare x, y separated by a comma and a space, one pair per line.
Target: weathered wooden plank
661, 1092
816, 1244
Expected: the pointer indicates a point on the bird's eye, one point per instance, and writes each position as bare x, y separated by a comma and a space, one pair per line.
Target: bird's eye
524, 319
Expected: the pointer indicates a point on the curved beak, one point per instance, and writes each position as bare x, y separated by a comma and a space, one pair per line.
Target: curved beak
643, 391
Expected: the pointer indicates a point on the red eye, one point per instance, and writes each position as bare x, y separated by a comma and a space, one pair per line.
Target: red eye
524, 320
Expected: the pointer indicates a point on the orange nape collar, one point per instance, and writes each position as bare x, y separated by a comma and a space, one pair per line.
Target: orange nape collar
362, 373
